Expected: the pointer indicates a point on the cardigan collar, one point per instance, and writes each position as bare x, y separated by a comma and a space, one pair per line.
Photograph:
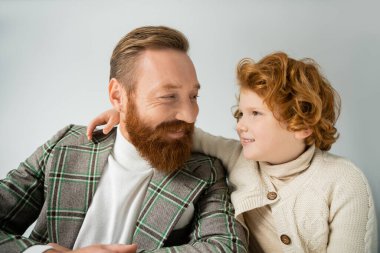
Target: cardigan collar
280, 174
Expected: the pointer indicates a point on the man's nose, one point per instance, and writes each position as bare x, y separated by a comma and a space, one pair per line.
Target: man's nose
187, 112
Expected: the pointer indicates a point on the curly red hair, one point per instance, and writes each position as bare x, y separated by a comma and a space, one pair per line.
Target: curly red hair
297, 94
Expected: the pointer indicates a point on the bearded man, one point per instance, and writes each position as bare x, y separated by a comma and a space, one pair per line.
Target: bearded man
138, 188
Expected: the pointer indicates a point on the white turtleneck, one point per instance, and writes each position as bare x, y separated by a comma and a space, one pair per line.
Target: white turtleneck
117, 202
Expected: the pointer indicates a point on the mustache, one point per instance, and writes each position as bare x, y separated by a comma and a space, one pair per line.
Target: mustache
175, 125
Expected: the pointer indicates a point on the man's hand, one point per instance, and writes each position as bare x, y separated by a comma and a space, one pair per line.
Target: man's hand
98, 248
109, 118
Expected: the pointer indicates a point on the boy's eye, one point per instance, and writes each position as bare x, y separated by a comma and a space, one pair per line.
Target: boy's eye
238, 115
255, 113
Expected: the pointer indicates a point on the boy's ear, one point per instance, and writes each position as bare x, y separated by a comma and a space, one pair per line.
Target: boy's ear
303, 134
116, 94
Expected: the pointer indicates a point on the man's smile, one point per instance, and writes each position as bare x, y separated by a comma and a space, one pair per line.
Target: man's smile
176, 134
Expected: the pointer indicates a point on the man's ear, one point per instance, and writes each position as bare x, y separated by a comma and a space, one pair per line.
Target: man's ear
303, 134
117, 95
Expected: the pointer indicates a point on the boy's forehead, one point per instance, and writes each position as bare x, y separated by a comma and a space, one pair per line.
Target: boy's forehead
249, 96
251, 100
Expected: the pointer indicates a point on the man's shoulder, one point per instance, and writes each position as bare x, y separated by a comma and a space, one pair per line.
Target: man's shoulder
200, 158
204, 166
76, 135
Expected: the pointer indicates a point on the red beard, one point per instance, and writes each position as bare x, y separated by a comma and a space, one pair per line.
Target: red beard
164, 154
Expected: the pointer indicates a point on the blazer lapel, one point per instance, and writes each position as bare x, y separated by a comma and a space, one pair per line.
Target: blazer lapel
73, 179
166, 199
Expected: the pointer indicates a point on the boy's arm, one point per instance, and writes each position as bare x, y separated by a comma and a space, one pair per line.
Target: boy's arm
352, 223
227, 150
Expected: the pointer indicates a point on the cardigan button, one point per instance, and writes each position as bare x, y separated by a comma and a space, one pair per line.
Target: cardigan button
271, 195
285, 239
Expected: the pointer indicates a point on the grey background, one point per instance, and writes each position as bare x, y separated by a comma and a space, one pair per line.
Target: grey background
54, 62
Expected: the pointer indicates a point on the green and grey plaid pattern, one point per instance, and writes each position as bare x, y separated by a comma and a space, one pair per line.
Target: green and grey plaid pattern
57, 183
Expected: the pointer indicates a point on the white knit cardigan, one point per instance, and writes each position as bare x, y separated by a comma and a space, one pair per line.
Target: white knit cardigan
327, 208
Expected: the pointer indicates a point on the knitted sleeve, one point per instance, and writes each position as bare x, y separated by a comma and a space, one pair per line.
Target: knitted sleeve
227, 150
352, 222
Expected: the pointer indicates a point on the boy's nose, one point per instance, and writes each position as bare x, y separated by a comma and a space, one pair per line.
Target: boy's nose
240, 127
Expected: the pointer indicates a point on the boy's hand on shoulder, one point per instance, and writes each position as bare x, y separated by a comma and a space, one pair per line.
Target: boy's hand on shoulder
109, 119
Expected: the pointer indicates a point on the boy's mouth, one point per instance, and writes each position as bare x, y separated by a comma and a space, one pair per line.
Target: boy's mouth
246, 140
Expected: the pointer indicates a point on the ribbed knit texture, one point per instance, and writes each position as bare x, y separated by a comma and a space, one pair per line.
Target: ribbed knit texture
262, 225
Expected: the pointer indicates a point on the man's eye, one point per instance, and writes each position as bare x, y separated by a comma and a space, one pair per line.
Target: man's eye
195, 97
169, 97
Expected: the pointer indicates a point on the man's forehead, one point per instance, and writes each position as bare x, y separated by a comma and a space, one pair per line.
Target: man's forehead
166, 69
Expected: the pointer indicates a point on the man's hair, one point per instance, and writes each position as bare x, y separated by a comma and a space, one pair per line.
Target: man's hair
126, 53
297, 94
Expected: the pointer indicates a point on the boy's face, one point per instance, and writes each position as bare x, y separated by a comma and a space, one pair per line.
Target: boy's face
262, 136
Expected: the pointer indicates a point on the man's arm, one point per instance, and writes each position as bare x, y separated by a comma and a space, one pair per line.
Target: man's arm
214, 227
22, 197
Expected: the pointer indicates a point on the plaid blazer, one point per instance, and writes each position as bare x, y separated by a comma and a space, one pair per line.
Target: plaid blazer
56, 185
